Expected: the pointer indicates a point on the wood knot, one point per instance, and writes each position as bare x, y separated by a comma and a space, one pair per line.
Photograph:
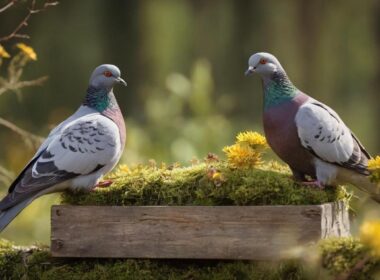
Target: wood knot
58, 244
312, 213
58, 212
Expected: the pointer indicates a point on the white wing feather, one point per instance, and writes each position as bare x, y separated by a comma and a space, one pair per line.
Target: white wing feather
88, 143
322, 131
81, 146
82, 111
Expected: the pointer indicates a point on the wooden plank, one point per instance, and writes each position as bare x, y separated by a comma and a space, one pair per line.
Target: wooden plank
192, 232
335, 220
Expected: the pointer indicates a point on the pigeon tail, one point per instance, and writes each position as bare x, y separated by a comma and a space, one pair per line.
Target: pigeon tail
361, 181
7, 216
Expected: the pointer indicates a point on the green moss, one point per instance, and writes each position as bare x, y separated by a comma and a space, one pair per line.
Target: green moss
270, 184
36, 263
337, 256
341, 254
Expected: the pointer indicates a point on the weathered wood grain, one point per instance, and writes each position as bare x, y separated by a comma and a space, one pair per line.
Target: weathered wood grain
192, 232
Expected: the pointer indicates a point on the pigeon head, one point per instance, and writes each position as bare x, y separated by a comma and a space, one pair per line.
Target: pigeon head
106, 76
264, 64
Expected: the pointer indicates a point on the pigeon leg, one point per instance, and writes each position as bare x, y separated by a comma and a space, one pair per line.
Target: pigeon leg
314, 183
303, 180
298, 176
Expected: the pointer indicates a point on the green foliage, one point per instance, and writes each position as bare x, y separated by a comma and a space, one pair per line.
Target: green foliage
342, 254
270, 184
36, 263
337, 256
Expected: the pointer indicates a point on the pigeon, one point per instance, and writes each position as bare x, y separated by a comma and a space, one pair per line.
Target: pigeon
307, 134
76, 153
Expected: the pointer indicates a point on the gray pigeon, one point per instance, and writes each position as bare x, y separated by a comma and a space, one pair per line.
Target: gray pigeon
308, 135
78, 152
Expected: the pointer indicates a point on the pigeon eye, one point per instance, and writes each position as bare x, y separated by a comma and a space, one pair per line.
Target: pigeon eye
263, 61
107, 74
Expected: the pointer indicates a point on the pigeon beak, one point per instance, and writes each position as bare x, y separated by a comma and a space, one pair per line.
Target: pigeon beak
249, 71
121, 81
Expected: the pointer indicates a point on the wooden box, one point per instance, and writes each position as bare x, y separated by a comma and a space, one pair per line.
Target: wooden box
193, 232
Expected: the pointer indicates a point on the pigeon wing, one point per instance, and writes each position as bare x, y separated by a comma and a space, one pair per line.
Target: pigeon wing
324, 134
81, 148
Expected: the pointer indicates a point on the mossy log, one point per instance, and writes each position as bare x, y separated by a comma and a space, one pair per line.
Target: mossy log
268, 231
210, 183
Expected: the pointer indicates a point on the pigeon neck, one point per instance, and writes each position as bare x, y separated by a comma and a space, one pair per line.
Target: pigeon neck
278, 89
100, 99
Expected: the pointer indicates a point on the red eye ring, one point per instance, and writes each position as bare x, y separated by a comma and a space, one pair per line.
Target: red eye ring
263, 61
107, 74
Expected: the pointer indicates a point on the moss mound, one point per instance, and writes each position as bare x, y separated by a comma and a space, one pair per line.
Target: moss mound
340, 255
337, 256
210, 183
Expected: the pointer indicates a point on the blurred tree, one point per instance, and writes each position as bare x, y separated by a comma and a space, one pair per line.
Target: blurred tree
376, 84
13, 82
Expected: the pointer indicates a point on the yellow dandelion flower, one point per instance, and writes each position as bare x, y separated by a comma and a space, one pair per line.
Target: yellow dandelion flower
27, 51
246, 152
374, 167
254, 139
242, 156
4, 53
370, 235
374, 164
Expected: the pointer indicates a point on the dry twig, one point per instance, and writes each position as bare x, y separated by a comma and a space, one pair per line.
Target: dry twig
8, 5
21, 84
14, 83
30, 139
31, 11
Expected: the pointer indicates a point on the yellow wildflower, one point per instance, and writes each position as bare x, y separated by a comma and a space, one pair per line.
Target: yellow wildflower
374, 164
218, 179
374, 167
247, 150
27, 51
253, 139
242, 156
370, 235
3, 52
217, 176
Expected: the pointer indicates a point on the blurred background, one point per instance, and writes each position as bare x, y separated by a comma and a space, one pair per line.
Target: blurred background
184, 61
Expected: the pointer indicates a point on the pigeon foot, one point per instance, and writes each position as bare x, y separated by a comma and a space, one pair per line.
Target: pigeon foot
314, 183
104, 184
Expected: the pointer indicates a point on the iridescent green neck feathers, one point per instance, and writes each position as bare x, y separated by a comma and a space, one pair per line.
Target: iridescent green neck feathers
99, 99
278, 89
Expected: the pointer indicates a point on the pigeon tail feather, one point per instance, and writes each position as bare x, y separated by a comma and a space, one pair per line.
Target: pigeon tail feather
360, 181
9, 214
